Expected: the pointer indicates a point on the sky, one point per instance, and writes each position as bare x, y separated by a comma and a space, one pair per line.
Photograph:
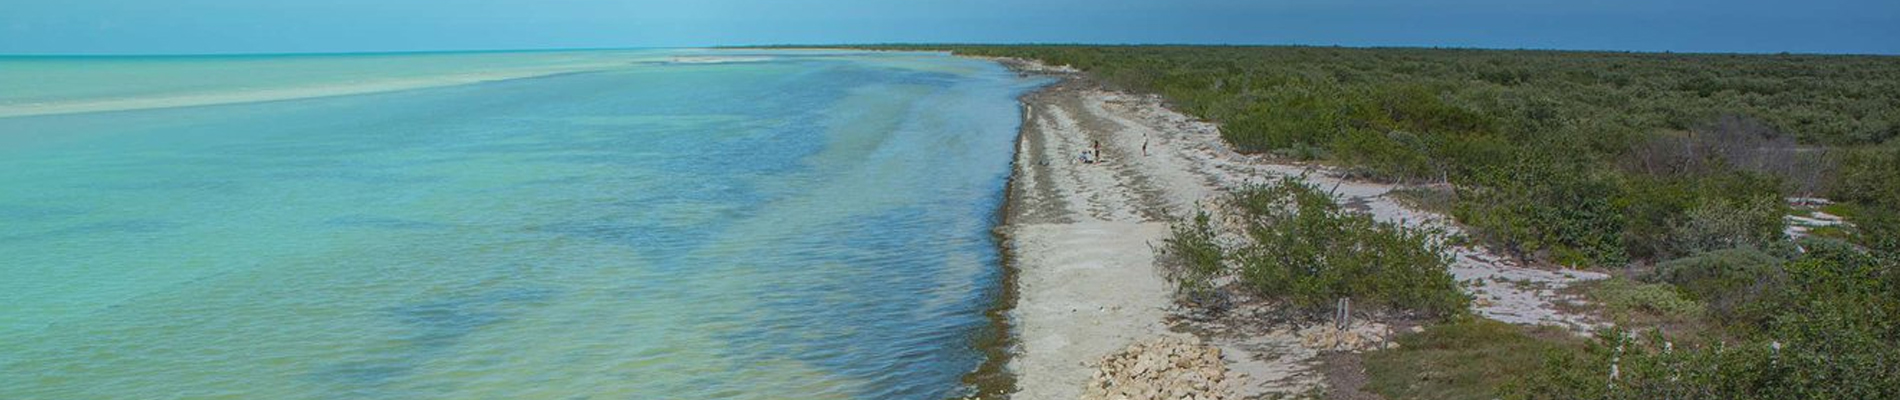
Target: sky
301, 26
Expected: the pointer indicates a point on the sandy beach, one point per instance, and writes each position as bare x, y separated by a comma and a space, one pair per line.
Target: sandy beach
1083, 238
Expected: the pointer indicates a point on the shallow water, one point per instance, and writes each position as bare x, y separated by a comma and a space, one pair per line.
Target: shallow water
815, 225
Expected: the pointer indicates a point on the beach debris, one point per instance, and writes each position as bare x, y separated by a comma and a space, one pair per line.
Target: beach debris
1169, 367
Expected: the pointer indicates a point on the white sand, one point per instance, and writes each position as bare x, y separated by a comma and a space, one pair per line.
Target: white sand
329, 89
1079, 236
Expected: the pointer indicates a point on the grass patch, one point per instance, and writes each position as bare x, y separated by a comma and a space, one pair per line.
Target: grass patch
1831, 232
1843, 210
1467, 358
1658, 306
1627, 300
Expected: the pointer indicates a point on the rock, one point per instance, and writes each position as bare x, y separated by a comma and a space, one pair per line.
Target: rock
1162, 368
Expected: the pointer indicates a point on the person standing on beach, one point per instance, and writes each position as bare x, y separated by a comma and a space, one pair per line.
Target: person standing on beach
1098, 148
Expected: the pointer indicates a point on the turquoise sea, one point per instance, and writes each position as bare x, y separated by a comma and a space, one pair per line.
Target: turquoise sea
634, 224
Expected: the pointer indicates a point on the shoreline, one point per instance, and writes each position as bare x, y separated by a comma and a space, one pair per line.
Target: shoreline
1080, 251
992, 379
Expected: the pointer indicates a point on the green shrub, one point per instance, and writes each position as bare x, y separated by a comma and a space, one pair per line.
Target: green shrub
1879, 229
1678, 214
1309, 251
1383, 156
1720, 224
1543, 208
1739, 285
1838, 277
1625, 299
1870, 179
1655, 209
1193, 256
1832, 332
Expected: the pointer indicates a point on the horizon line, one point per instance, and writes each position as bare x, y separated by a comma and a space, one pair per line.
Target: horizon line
919, 44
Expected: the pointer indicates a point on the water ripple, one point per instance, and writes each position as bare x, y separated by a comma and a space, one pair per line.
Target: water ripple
810, 227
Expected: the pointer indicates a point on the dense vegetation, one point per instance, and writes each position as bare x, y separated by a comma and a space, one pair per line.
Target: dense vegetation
1869, 183
1571, 157
1821, 324
1732, 324
1305, 249
1669, 168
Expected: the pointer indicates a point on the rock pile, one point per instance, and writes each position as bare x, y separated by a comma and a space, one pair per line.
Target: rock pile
1170, 368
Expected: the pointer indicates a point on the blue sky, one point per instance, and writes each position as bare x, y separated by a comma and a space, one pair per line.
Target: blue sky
271, 26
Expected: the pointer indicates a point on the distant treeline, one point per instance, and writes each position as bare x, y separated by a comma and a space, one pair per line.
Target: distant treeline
1570, 157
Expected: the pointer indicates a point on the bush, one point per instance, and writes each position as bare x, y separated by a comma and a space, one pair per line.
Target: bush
1879, 229
1721, 224
1831, 332
1308, 250
1680, 214
1384, 156
1546, 209
1870, 178
1194, 257
1624, 300
1739, 285
1835, 277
